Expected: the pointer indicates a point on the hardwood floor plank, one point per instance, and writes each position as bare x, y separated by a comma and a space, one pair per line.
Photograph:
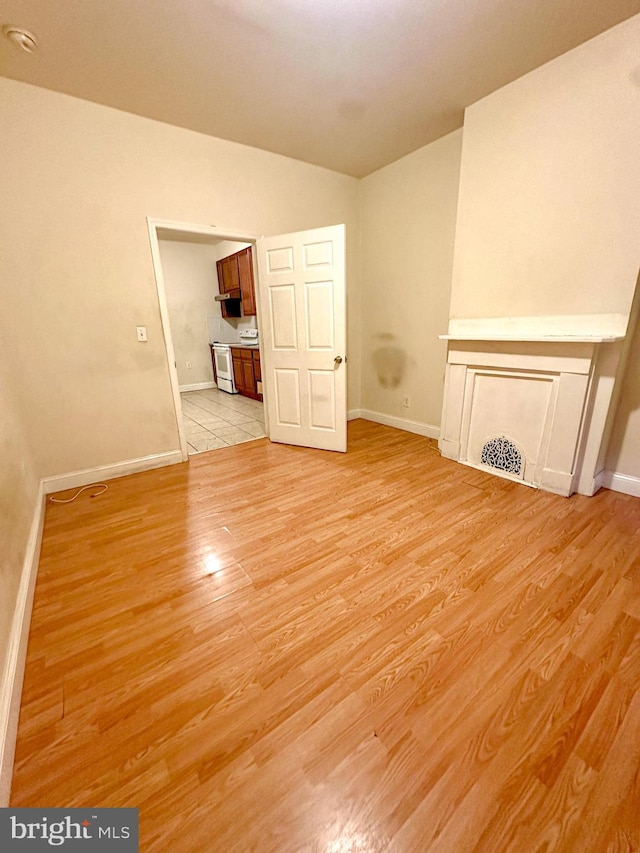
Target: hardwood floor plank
551, 825
616, 781
278, 649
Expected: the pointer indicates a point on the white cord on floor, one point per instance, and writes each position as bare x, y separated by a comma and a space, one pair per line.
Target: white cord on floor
102, 486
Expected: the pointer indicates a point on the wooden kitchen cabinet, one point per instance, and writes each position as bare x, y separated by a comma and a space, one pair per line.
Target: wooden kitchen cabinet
247, 372
228, 281
257, 373
247, 284
249, 379
235, 273
230, 275
238, 374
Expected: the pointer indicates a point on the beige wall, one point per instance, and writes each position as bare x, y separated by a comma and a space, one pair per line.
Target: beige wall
79, 180
549, 207
191, 284
18, 493
229, 247
408, 213
623, 455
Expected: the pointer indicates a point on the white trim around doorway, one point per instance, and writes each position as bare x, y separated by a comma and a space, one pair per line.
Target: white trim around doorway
188, 229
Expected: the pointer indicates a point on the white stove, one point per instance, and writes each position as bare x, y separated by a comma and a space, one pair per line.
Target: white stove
224, 361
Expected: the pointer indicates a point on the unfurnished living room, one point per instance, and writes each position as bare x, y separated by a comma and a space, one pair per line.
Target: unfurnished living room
320, 426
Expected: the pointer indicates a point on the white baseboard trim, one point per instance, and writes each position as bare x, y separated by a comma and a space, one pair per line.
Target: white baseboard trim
13, 675
620, 483
198, 386
108, 472
353, 414
401, 423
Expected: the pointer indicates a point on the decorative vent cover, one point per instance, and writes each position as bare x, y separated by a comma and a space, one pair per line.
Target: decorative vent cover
501, 453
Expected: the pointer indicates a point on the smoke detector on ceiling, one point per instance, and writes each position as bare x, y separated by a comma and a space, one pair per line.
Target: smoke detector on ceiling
21, 38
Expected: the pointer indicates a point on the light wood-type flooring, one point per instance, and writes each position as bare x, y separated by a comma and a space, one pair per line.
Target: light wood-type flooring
280, 649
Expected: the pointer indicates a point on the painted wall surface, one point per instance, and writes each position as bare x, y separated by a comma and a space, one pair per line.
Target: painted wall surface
18, 494
191, 284
229, 247
79, 181
623, 454
408, 214
549, 207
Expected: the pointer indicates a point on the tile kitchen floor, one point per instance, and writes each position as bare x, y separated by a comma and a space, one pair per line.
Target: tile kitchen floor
214, 419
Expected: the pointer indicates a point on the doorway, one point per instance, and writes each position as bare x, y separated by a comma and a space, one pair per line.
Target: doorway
207, 417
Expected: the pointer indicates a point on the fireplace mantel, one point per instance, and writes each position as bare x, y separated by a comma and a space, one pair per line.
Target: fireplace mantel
541, 387
590, 328
565, 339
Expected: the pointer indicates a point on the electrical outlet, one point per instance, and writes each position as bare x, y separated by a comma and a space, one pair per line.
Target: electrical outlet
406, 401
188, 365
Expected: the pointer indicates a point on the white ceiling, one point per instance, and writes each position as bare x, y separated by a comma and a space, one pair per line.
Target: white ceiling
347, 84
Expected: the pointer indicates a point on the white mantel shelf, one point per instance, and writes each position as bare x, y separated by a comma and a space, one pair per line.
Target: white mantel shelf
574, 329
551, 339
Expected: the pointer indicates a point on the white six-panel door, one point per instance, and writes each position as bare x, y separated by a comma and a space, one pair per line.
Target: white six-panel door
303, 334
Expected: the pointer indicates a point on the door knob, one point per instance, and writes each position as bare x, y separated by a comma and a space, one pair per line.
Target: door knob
337, 359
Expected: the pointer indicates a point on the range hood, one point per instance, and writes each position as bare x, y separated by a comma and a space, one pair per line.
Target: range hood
232, 294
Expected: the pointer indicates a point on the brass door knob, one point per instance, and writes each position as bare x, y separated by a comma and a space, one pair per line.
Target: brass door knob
337, 359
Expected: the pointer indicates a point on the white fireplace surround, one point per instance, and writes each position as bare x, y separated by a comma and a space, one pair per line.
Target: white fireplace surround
546, 384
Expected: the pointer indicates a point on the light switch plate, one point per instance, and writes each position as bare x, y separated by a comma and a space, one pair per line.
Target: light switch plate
141, 332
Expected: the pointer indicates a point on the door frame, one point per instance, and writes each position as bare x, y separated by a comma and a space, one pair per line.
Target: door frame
187, 228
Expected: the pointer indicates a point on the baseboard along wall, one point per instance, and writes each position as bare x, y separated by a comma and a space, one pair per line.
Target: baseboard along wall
198, 386
417, 427
13, 676
108, 472
621, 483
